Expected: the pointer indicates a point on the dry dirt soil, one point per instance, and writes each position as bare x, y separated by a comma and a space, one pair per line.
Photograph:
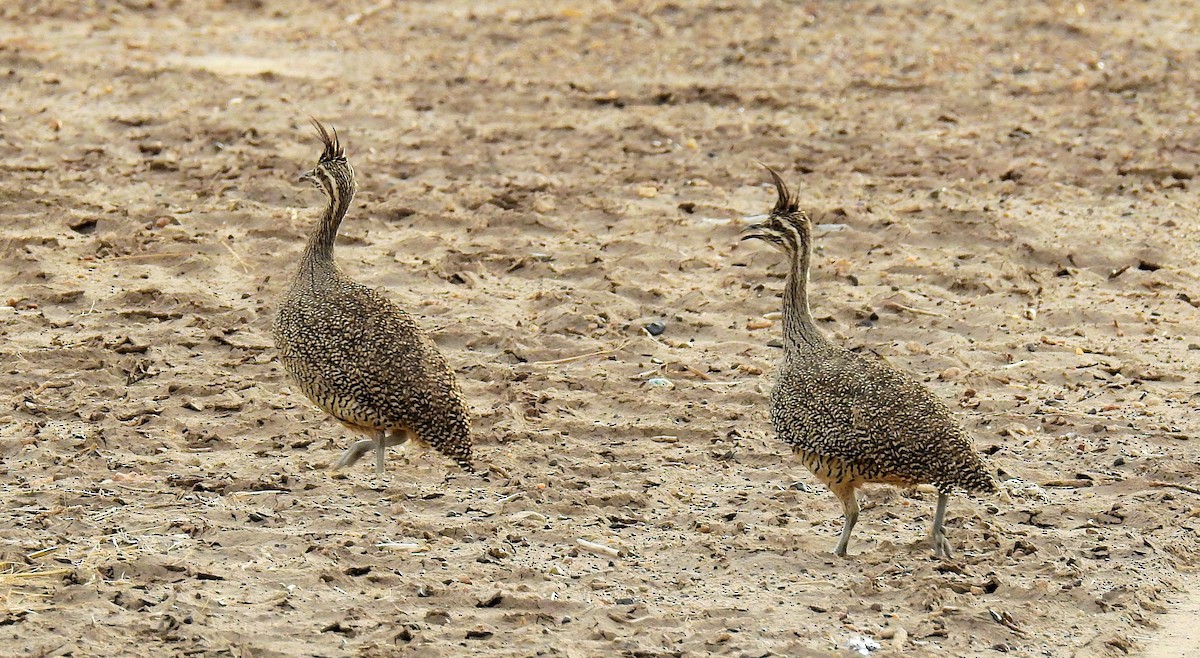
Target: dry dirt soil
1006, 203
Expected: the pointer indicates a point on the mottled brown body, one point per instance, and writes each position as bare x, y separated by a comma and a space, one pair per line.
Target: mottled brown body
853, 419
884, 426
356, 354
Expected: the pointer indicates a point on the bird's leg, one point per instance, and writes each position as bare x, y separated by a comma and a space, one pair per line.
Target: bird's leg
845, 493
941, 545
385, 439
357, 450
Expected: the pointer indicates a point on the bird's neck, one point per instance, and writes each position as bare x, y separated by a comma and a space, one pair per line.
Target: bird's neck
323, 236
800, 331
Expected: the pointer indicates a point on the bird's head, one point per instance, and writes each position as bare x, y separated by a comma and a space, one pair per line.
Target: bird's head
333, 173
786, 227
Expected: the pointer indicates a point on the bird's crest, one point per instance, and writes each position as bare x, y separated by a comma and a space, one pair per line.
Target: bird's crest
333, 148
786, 204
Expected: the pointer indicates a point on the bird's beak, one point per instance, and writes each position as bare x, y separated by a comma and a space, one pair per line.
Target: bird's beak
753, 231
307, 176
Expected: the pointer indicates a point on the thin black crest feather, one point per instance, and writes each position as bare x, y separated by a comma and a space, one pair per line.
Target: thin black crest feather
333, 148
786, 204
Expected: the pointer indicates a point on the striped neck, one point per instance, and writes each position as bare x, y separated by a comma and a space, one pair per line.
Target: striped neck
800, 330
339, 191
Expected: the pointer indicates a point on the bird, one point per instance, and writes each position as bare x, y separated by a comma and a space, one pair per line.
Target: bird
356, 354
853, 419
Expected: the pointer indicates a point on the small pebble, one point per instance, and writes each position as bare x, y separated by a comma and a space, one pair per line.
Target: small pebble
528, 517
660, 382
647, 191
656, 328
862, 645
495, 600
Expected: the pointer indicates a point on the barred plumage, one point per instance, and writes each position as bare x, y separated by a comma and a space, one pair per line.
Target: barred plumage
853, 419
357, 355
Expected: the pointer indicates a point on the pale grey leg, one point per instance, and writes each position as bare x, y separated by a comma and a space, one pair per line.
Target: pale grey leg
390, 438
845, 493
355, 452
941, 545
379, 442
359, 448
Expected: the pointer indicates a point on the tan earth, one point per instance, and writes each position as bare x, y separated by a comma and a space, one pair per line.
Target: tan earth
1006, 193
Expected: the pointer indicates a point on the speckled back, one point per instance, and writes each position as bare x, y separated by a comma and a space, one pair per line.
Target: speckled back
365, 361
858, 409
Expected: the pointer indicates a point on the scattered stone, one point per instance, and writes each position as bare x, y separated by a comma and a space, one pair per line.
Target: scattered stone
83, 226
529, 518
337, 627
495, 600
862, 645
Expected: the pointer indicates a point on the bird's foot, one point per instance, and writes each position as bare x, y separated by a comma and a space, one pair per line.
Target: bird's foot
941, 546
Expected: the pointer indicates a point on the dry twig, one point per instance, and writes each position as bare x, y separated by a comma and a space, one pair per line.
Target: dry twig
1175, 485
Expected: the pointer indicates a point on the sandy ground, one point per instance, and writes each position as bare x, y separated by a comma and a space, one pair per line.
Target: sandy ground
1178, 636
1007, 209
